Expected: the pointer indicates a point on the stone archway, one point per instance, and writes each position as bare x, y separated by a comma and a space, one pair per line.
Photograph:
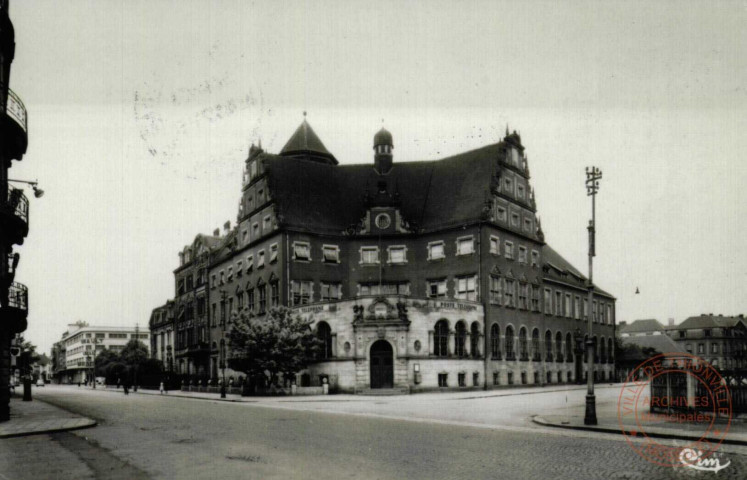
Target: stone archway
382, 365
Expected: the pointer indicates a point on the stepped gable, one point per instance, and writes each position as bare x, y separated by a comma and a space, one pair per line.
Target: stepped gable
432, 194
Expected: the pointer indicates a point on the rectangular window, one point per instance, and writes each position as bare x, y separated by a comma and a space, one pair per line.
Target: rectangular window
369, 255
508, 293
255, 230
466, 288
436, 250
301, 251
508, 249
331, 291
465, 245
520, 190
609, 314
577, 308
442, 379
260, 259
594, 311
213, 281
267, 223
707, 332
249, 300
515, 220
495, 245
586, 309
548, 301
274, 294
331, 253
568, 311
527, 225
536, 298
535, 258
239, 268
397, 254
496, 290
714, 348
400, 288
249, 263
501, 214
462, 377
230, 273
689, 348
558, 304
523, 294
522, 255
222, 277
273, 253
437, 289
262, 289
301, 292
683, 333
701, 348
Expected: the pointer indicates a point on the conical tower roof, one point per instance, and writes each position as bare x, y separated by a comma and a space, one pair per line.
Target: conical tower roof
305, 143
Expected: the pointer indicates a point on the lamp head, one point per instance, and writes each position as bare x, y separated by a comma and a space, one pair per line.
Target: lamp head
38, 192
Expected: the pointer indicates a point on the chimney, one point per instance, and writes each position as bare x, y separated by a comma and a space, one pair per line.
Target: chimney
226, 227
216, 232
670, 322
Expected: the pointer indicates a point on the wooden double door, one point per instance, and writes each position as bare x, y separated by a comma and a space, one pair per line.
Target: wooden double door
382, 365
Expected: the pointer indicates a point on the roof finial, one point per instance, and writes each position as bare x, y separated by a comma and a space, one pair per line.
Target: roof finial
304, 114
507, 129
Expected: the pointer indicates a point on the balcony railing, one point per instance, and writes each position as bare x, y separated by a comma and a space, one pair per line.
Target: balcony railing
18, 296
17, 203
17, 110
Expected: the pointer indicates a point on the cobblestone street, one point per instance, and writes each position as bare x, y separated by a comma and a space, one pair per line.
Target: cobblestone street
147, 436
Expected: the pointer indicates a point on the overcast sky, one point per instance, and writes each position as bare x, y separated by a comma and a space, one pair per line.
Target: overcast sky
141, 114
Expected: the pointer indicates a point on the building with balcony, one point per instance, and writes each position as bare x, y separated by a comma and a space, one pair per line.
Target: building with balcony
74, 355
14, 209
162, 335
417, 275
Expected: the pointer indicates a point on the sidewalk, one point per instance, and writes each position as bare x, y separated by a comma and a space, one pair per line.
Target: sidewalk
608, 423
35, 417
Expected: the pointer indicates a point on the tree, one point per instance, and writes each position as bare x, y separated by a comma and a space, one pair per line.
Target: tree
280, 342
27, 355
134, 353
103, 359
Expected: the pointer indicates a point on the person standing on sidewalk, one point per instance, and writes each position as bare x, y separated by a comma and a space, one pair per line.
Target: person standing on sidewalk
126, 387
160, 388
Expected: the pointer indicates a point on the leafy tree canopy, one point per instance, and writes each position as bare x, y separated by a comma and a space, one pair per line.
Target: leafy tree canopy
280, 342
134, 354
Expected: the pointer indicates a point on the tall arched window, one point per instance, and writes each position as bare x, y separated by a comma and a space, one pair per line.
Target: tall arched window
441, 339
568, 347
603, 351
475, 340
495, 342
324, 334
461, 336
548, 346
610, 356
558, 347
536, 353
523, 353
510, 353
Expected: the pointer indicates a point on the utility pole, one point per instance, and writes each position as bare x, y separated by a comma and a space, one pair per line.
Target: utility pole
593, 175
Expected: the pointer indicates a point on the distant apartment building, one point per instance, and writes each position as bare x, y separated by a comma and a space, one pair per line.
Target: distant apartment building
720, 340
73, 356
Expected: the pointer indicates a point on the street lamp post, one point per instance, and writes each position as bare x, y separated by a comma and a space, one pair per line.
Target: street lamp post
38, 192
95, 342
593, 175
223, 367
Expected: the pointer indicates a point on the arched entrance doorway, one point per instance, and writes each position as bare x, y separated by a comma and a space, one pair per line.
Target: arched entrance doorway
382, 365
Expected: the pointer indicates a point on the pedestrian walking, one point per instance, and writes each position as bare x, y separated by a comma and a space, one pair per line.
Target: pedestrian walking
126, 387
161, 387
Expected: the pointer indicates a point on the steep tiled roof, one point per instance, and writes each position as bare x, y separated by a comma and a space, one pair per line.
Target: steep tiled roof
643, 326
306, 142
432, 194
560, 269
708, 321
660, 343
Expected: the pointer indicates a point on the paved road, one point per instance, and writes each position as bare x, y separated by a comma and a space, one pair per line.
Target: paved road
143, 436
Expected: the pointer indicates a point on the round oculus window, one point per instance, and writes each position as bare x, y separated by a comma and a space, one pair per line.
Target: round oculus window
383, 221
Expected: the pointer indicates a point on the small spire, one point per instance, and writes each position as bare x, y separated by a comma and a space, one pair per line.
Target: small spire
637, 291
304, 114
507, 129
